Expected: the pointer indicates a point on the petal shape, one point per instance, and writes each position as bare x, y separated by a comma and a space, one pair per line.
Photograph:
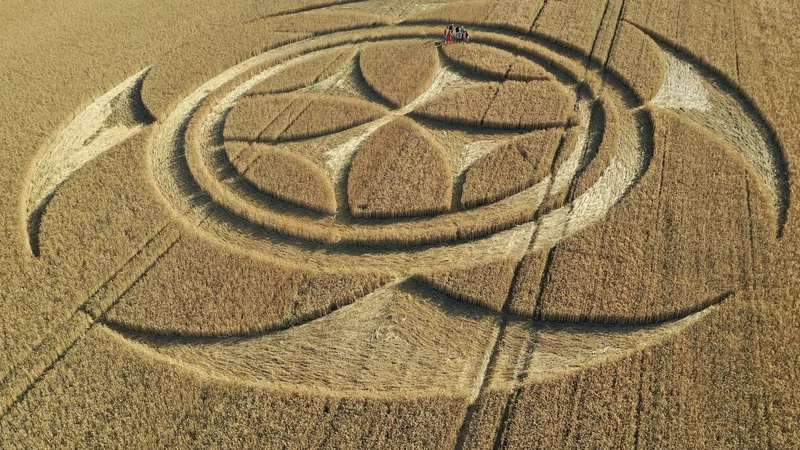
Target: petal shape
399, 71
292, 178
493, 62
252, 114
510, 168
512, 105
317, 67
527, 106
399, 172
296, 116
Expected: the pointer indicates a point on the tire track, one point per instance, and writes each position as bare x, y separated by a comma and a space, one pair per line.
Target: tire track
538, 15
55, 345
591, 60
303, 9
507, 412
489, 370
616, 31
639, 405
511, 401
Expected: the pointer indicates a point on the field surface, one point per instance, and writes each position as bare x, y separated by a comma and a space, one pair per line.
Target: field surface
315, 224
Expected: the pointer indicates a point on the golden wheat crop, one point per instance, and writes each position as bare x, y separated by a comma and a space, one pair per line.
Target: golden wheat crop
197, 168
205, 55
249, 119
514, 166
293, 116
514, 15
468, 224
293, 178
559, 193
217, 49
466, 106
233, 149
306, 73
399, 171
525, 292
718, 28
277, 128
595, 168
579, 231
510, 105
485, 285
651, 249
493, 62
606, 35
644, 72
325, 115
399, 71
321, 21
568, 67
75, 245
105, 369
530, 105
245, 153
184, 294
574, 23
472, 12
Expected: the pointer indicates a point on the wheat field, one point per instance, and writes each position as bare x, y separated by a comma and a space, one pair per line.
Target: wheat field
321, 224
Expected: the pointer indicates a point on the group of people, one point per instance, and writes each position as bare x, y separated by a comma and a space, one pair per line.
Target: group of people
459, 33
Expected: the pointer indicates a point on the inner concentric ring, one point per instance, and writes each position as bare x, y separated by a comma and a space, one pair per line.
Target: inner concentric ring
217, 199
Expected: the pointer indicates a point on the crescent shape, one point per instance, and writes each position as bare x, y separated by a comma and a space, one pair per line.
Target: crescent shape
116, 116
337, 354
707, 97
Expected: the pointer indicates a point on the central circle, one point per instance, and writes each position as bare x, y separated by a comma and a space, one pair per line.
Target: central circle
446, 149
378, 161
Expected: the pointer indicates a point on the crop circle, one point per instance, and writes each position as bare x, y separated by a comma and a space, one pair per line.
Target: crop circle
465, 118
